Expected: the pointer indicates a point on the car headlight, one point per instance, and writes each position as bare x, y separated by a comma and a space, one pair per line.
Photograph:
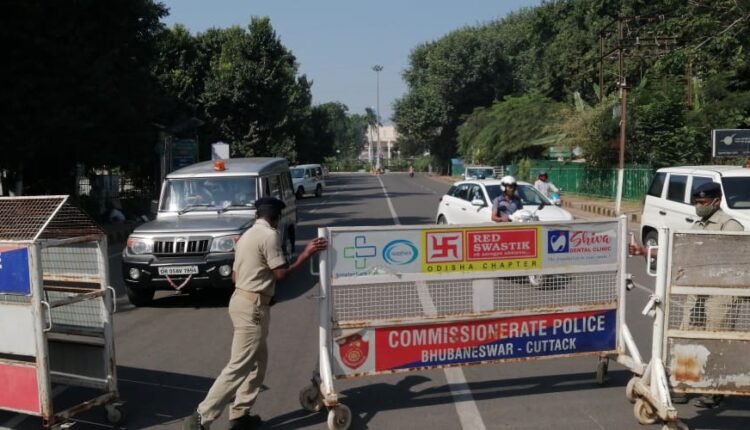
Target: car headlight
140, 246
224, 243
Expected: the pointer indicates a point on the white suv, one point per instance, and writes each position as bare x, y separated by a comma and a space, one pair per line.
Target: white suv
307, 178
669, 198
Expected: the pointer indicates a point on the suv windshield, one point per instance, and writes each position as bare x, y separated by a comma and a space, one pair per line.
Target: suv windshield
528, 194
297, 173
205, 194
737, 191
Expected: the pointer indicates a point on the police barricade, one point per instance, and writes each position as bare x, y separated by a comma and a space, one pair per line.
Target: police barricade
55, 311
701, 310
411, 298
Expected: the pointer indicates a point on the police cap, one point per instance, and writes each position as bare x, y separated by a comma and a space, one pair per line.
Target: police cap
269, 203
709, 190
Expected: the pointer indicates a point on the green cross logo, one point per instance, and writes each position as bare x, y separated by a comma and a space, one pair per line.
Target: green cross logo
360, 252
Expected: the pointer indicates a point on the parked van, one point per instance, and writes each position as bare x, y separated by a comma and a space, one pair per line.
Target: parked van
308, 178
669, 198
202, 212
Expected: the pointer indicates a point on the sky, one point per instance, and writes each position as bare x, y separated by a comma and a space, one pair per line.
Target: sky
337, 42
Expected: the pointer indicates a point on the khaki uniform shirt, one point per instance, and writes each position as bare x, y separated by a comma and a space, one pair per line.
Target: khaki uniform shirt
719, 221
257, 254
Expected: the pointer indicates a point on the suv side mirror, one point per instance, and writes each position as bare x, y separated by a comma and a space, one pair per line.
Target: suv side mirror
154, 207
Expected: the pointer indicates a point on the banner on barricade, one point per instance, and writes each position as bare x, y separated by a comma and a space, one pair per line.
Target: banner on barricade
14, 270
456, 343
436, 250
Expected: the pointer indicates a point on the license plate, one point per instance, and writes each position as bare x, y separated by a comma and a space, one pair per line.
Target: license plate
178, 270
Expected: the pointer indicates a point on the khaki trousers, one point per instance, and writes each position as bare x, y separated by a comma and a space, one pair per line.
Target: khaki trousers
243, 375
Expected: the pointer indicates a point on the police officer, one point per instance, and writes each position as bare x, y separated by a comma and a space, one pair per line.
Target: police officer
259, 263
504, 205
707, 312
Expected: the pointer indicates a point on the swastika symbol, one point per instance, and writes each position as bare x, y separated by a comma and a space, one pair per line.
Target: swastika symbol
444, 247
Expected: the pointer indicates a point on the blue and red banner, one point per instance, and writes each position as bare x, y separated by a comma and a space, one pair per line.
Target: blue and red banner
495, 339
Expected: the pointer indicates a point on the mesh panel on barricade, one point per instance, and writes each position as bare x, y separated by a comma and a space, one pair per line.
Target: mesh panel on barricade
75, 265
553, 291
455, 297
83, 314
21, 218
709, 313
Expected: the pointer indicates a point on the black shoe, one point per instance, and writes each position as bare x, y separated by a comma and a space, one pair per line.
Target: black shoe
708, 401
247, 422
194, 422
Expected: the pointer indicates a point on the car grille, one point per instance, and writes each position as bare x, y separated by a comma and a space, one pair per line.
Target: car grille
181, 246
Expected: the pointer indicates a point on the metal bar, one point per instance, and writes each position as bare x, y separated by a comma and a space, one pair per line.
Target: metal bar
419, 277
74, 380
42, 349
325, 333
83, 407
109, 303
77, 298
709, 291
631, 346
724, 335
660, 293
49, 243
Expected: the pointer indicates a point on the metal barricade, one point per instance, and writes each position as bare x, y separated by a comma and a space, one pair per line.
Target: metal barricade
412, 298
55, 310
701, 310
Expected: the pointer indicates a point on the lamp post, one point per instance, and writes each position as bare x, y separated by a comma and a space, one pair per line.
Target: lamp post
377, 68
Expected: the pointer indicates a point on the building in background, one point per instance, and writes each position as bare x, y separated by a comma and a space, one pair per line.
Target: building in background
388, 136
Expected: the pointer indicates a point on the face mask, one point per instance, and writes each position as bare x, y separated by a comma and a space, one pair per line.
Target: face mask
706, 211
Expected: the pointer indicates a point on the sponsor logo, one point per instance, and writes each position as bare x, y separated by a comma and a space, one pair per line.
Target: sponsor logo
400, 252
501, 244
360, 252
353, 351
444, 247
558, 241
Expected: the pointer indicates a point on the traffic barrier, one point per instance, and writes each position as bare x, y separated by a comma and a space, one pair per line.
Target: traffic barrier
55, 309
701, 311
412, 298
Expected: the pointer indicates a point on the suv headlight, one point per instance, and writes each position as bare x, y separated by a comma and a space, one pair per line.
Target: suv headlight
140, 246
224, 243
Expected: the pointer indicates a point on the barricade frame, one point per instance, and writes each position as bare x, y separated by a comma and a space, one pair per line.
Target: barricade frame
322, 392
651, 392
66, 307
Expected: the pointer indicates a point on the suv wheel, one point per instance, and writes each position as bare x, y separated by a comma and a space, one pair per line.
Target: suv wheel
140, 296
300, 193
651, 239
318, 191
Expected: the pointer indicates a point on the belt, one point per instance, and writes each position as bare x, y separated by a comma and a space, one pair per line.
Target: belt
254, 297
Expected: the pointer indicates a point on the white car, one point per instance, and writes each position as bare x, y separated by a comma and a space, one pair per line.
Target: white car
669, 198
470, 202
307, 178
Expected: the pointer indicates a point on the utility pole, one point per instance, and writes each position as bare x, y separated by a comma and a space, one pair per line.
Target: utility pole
377, 68
634, 36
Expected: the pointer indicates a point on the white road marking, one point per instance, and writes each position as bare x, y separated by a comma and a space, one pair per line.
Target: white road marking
466, 408
390, 204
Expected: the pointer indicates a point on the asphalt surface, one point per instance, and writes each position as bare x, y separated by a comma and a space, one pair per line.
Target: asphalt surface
169, 354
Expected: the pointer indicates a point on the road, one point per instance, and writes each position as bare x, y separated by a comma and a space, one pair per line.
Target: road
169, 354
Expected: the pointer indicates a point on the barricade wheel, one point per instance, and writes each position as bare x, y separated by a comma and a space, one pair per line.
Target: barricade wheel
644, 412
114, 414
630, 389
310, 399
339, 417
601, 370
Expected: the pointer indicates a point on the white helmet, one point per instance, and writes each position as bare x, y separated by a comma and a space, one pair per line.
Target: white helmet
507, 180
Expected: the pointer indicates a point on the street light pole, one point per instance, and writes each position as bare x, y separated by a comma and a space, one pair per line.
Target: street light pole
377, 68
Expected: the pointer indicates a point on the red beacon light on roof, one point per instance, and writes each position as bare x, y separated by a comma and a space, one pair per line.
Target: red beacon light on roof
219, 165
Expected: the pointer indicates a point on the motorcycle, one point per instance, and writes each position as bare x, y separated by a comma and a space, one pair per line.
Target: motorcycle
555, 199
542, 282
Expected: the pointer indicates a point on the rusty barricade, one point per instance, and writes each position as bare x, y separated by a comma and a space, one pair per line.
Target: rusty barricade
412, 298
55, 311
701, 310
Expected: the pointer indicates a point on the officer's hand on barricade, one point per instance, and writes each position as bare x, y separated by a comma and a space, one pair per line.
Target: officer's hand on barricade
314, 246
635, 249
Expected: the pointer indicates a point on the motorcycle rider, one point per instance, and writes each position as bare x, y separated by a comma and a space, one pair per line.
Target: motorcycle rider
504, 205
543, 186
411, 171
